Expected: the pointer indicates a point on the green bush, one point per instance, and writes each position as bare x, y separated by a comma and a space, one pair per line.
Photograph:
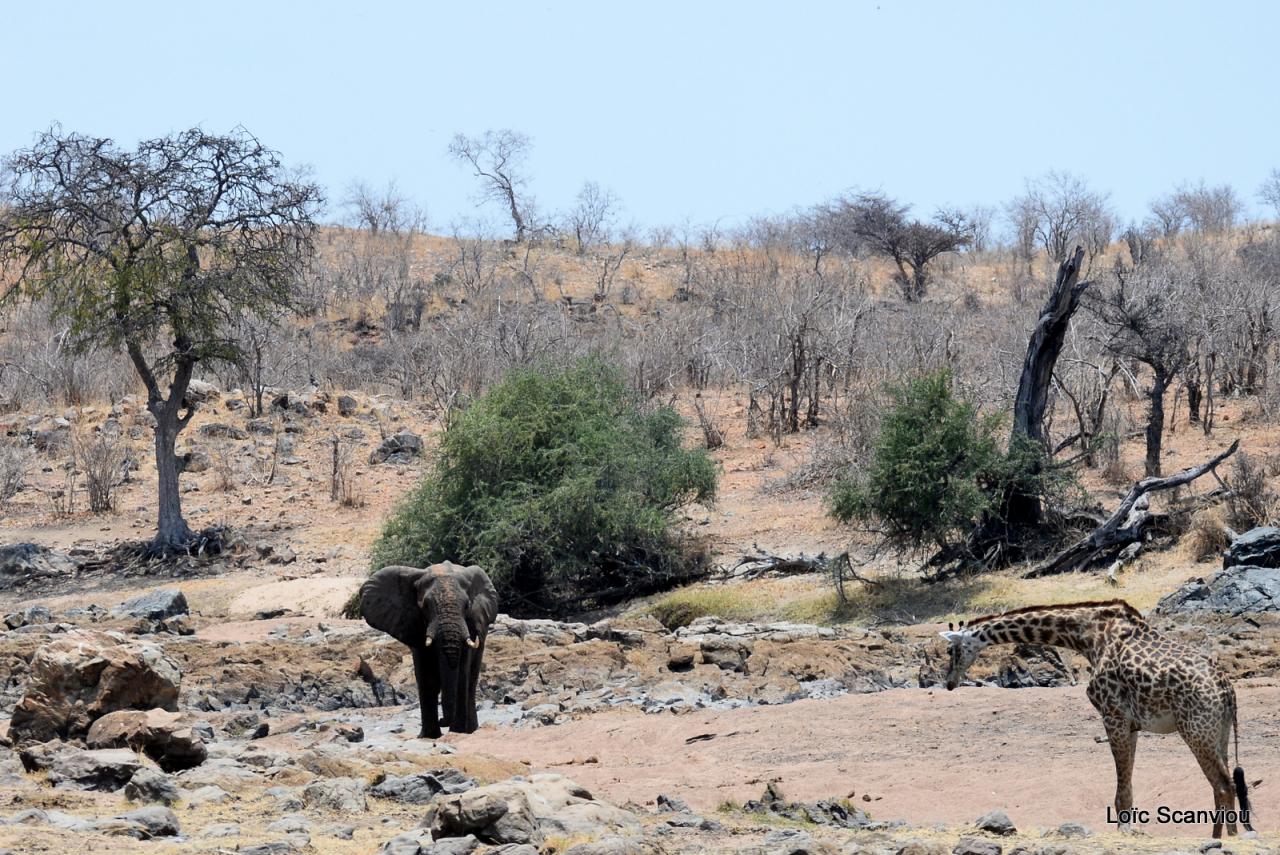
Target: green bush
561, 484
936, 471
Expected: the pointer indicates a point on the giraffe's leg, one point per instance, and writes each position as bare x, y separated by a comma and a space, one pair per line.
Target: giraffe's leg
1124, 743
1215, 769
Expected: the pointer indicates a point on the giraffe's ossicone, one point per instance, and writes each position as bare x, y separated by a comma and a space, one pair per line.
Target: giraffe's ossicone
1142, 680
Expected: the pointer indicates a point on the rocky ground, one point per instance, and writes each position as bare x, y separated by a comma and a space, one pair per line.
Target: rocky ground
297, 733
220, 705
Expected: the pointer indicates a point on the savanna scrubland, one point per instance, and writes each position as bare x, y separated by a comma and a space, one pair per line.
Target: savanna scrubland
774, 622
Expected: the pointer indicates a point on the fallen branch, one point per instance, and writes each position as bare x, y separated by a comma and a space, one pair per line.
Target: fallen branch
1128, 523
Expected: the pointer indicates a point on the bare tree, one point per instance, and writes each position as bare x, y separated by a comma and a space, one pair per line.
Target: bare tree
1208, 210
592, 215
1058, 211
880, 224
157, 251
498, 159
1142, 315
1269, 192
385, 211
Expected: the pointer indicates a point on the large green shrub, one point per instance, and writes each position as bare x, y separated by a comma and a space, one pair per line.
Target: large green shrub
936, 472
561, 484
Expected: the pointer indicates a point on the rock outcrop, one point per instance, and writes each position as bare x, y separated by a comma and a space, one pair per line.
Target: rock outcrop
1237, 590
84, 675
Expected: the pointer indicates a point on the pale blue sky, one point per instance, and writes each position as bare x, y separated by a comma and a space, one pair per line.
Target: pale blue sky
700, 110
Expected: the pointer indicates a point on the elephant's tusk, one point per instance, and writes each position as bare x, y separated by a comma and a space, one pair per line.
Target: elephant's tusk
427, 642
473, 644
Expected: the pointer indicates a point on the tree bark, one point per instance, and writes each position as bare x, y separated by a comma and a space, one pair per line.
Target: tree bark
1043, 348
1155, 421
172, 533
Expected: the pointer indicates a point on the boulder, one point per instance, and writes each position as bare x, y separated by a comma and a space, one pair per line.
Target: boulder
200, 392
153, 605
30, 616
995, 822
148, 785
158, 821
1258, 547
1237, 590
974, 846
526, 811
84, 675
194, 461
218, 430
107, 770
398, 448
421, 788
344, 795
159, 734
347, 405
22, 563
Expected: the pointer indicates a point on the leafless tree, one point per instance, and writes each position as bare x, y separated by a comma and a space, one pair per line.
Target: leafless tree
157, 251
1142, 315
880, 224
1058, 211
1208, 210
1269, 192
592, 216
386, 211
498, 159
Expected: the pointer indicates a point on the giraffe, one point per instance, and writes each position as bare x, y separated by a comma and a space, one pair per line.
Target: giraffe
1142, 680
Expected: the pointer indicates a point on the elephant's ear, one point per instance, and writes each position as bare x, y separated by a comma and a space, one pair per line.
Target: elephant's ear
483, 596
389, 602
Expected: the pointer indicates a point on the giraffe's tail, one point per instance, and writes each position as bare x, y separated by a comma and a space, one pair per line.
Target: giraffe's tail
1237, 777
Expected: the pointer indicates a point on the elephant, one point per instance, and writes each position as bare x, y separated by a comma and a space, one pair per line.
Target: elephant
443, 613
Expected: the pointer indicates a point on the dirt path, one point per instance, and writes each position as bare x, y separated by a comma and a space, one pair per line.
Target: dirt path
934, 757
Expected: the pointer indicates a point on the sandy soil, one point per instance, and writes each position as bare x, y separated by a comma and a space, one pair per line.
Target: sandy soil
924, 756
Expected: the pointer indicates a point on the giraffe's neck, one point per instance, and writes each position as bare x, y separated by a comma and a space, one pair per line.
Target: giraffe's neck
1078, 629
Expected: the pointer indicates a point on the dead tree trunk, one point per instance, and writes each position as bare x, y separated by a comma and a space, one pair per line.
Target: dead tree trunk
1024, 510
1127, 524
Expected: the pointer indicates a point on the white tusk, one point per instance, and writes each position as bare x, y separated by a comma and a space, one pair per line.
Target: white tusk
428, 641
473, 644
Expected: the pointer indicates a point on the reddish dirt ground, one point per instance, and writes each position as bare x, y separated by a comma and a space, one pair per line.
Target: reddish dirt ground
925, 756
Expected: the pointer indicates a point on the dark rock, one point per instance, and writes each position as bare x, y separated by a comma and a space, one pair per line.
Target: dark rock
107, 770
217, 430
680, 661
423, 787
347, 405
147, 785
194, 462
995, 822
672, 804
397, 448
1074, 830
1239, 589
153, 605
30, 616
974, 846
159, 821
1258, 547
22, 563
825, 812
345, 795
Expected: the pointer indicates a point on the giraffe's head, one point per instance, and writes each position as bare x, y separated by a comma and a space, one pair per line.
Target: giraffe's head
965, 645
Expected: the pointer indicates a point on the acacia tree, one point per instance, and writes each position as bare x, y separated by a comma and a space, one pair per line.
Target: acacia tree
159, 251
1058, 211
880, 224
497, 158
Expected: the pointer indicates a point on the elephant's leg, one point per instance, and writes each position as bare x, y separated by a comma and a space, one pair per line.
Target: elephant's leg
427, 676
467, 720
